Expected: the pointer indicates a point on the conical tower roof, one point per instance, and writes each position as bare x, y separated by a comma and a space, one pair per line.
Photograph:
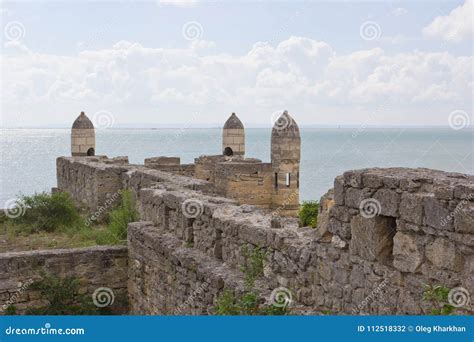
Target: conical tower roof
82, 122
285, 126
233, 122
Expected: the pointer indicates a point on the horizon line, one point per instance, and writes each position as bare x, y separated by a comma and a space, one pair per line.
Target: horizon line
220, 126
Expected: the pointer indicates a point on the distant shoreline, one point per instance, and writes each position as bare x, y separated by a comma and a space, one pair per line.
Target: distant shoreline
184, 127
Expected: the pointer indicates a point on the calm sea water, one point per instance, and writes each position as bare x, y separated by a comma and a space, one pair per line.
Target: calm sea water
28, 155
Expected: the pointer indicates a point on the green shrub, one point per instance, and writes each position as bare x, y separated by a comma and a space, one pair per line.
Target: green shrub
119, 219
438, 296
46, 212
253, 266
308, 214
63, 298
227, 304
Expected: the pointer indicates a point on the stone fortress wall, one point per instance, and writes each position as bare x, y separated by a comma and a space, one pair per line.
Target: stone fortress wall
93, 267
382, 235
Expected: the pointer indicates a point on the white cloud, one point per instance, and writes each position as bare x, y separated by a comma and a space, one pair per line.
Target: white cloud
178, 3
298, 73
455, 27
399, 11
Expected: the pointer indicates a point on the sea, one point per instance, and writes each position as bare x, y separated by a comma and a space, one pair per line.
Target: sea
28, 156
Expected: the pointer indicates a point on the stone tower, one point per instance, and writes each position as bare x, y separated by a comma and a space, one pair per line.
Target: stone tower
82, 137
285, 155
233, 137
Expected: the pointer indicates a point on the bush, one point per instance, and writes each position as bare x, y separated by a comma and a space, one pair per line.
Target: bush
118, 220
63, 298
308, 214
46, 212
120, 217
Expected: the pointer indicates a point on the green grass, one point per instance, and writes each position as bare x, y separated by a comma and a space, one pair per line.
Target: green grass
308, 214
52, 221
117, 223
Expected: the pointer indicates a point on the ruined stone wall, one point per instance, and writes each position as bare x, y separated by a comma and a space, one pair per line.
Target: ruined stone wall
383, 234
167, 277
91, 181
416, 224
247, 182
205, 167
170, 164
93, 267
354, 263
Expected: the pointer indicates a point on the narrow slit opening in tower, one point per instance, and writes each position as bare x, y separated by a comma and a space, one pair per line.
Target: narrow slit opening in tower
288, 180
276, 180
90, 152
228, 152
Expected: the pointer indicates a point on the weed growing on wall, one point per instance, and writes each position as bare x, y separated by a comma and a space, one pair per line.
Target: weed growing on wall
437, 295
249, 303
308, 214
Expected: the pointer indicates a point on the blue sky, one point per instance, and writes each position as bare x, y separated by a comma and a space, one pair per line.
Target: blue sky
137, 62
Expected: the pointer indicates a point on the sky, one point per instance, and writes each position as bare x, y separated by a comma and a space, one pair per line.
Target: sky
169, 62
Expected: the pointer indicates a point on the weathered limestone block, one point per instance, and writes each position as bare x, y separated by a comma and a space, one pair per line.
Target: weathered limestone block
371, 238
465, 191
339, 190
408, 254
370, 180
444, 254
411, 208
389, 201
353, 178
407, 304
464, 218
354, 196
436, 214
